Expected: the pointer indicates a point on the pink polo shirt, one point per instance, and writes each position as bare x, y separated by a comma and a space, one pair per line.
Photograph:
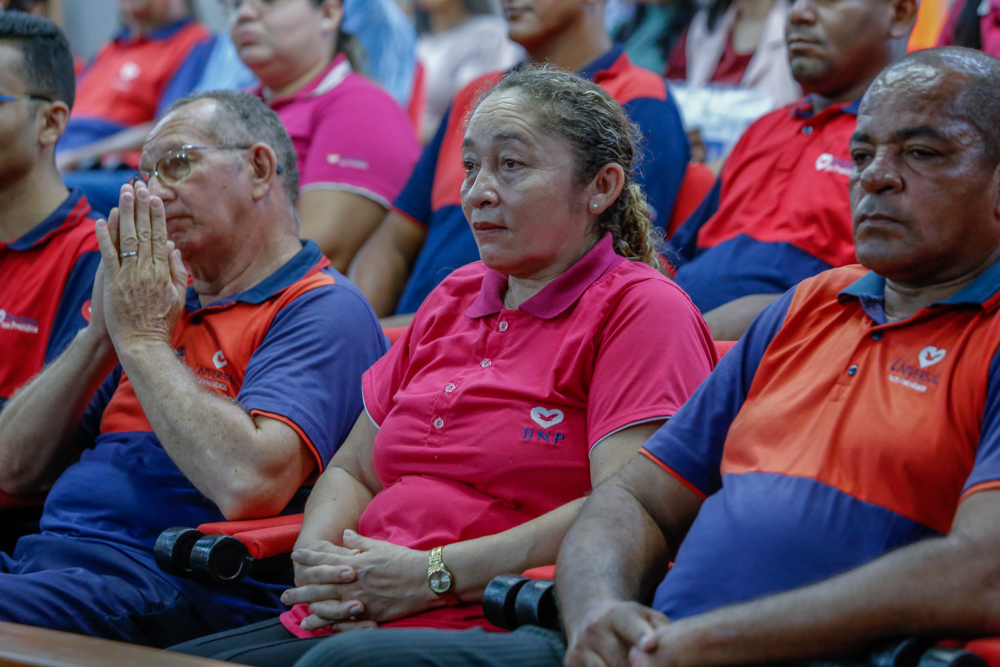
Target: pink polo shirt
348, 134
487, 416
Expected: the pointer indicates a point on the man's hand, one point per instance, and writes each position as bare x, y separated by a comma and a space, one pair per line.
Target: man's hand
144, 278
610, 631
369, 579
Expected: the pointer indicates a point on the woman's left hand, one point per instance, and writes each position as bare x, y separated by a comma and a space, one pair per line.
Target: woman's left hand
390, 582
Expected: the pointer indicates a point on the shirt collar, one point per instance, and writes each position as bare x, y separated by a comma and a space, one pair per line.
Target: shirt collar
604, 62
326, 81
984, 291
161, 33
804, 109
69, 212
558, 295
308, 260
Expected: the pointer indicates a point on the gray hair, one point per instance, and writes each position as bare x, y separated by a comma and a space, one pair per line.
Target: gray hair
243, 119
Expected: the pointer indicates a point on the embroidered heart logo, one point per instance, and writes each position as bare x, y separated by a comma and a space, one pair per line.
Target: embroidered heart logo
930, 355
546, 418
3, 314
219, 360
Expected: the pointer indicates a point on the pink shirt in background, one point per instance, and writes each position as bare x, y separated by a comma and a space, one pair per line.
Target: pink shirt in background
488, 416
348, 134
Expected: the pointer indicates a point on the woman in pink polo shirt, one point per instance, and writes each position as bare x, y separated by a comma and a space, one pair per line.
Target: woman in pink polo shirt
524, 380
355, 145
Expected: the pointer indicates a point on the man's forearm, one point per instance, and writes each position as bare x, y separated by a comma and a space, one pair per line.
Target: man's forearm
731, 320
213, 441
936, 587
630, 562
38, 424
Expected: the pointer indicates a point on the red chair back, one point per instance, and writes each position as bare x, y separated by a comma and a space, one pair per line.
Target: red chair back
698, 180
418, 100
723, 346
393, 333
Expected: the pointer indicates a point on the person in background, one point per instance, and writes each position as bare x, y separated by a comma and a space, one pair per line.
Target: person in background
650, 29
426, 236
35, 7
729, 68
461, 40
779, 212
213, 402
122, 92
546, 341
48, 251
740, 43
354, 143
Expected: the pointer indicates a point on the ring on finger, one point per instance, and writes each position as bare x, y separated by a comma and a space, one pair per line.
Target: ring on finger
133, 253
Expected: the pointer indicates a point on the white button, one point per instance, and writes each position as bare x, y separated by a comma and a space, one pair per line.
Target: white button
438, 423
449, 387
503, 326
485, 362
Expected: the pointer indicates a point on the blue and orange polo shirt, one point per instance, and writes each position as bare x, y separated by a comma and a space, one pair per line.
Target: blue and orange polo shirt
292, 348
829, 437
128, 81
46, 279
432, 199
779, 212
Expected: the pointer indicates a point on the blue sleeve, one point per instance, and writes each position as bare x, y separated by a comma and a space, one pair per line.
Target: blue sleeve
684, 243
69, 315
187, 76
308, 367
987, 466
390, 42
90, 424
415, 198
664, 151
691, 442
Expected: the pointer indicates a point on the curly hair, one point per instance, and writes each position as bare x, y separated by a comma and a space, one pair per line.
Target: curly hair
599, 133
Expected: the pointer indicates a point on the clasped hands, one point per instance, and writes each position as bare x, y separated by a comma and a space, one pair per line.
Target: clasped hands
626, 633
359, 585
141, 283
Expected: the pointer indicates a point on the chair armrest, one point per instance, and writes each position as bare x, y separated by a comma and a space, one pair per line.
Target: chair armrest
263, 538
227, 551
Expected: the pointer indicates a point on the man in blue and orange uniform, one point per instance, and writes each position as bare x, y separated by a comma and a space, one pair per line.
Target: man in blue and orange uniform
151, 62
779, 211
836, 479
207, 403
426, 236
48, 251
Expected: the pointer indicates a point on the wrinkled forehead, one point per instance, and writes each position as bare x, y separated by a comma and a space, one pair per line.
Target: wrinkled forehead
915, 94
502, 113
190, 124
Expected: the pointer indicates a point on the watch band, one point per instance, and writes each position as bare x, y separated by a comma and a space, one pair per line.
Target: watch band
439, 577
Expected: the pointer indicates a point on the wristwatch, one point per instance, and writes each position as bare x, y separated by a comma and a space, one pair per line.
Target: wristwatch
439, 577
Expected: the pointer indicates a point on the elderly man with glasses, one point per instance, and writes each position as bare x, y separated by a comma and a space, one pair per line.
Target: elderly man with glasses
194, 399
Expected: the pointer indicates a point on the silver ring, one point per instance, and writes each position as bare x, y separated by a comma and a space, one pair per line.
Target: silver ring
129, 254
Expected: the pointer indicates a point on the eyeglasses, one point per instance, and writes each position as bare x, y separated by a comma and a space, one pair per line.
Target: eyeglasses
234, 5
175, 165
14, 98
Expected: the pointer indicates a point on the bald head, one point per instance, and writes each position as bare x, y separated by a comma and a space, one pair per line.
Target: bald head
965, 84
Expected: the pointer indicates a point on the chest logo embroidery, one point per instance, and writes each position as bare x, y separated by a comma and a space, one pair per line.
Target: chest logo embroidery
219, 360
834, 165
18, 322
930, 355
129, 71
546, 418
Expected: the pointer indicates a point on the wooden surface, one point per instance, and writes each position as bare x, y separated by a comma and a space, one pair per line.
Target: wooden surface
23, 646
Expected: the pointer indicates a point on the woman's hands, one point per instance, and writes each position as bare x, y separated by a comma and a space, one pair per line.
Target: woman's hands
360, 584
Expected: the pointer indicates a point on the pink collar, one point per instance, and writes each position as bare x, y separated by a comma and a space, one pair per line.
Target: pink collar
558, 295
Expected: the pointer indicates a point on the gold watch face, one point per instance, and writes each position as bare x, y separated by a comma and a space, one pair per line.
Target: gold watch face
439, 581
